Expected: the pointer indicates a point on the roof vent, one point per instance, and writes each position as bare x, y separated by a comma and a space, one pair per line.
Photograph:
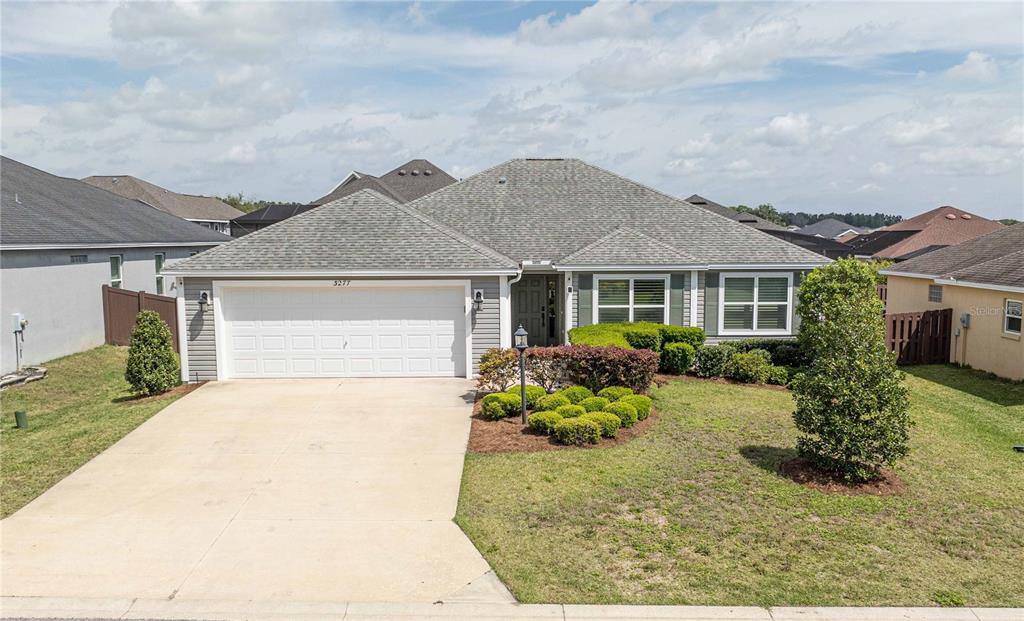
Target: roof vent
950, 216
428, 172
115, 180
502, 180
401, 172
965, 216
415, 172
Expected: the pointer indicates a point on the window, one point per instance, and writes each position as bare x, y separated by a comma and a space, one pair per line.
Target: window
158, 266
631, 298
755, 304
1012, 316
934, 293
79, 258
115, 270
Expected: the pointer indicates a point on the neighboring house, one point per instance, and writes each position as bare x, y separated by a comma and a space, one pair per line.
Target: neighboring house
825, 247
406, 183
938, 228
205, 211
830, 228
379, 288
981, 278
262, 218
60, 241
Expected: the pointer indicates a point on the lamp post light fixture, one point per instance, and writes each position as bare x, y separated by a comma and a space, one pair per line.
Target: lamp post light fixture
521, 345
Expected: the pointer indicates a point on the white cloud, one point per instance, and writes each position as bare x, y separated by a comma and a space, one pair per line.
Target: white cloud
787, 130
969, 160
908, 133
606, 18
683, 166
697, 146
880, 169
977, 66
869, 187
246, 153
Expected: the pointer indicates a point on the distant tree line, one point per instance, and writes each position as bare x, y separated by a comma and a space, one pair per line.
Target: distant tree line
1009, 221
800, 218
242, 203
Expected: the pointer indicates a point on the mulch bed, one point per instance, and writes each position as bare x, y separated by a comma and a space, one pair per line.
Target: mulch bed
803, 472
180, 389
510, 435
661, 380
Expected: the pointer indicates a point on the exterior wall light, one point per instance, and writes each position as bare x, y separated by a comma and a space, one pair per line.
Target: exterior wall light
478, 299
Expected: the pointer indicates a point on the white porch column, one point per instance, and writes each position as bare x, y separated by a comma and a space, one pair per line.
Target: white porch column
568, 306
693, 297
182, 327
504, 313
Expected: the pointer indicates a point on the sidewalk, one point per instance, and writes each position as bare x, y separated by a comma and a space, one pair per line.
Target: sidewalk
68, 608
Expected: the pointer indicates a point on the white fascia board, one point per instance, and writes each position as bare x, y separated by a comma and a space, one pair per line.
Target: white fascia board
112, 245
978, 285
906, 274
208, 220
767, 266
335, 273
629, 268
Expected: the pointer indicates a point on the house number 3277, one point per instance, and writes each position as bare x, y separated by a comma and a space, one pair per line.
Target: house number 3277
342, 283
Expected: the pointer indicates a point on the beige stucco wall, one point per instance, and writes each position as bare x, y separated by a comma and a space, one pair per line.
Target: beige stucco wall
984, 345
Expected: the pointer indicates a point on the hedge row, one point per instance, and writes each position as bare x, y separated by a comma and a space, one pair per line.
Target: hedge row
583, 366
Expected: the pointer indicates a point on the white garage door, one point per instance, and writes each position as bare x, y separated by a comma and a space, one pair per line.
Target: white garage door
359, 330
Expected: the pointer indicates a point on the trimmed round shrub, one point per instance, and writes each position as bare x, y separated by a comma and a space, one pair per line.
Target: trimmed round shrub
552, 402
643, 337
594, 404
614, 393
625, 412
543, 422
751, 368
533, 394
642, 404
609, 423
499, 405
677, 358
152, 366
571, 411
713, 360
778, 375
575, 394
578, 431
681, 334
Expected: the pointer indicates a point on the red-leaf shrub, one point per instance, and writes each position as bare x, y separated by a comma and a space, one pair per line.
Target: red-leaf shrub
581, 365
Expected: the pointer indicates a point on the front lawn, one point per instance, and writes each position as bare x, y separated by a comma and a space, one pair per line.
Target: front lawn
83, 407
693, 512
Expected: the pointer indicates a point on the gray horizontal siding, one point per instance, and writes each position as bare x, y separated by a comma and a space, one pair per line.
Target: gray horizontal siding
202, 342
486, 321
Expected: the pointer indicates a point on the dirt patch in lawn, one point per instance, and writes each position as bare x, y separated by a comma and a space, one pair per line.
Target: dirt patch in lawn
510, 435
180, 389
803, 472
661, 380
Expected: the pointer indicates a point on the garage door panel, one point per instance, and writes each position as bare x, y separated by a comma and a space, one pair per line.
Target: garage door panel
350, 331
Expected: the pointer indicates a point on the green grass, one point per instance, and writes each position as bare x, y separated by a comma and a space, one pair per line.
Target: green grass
73, 415
694, 513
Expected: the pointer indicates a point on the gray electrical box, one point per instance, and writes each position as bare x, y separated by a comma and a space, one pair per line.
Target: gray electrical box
965, 320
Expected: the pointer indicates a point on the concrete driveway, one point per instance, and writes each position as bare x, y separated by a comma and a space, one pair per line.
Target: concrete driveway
273, 490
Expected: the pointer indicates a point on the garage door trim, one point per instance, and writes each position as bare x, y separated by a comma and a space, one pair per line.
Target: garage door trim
220, 326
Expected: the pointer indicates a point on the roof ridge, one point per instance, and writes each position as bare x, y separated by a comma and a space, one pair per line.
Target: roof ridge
460, 181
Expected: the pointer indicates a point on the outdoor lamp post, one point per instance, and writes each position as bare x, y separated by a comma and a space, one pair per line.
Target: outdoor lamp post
521, 346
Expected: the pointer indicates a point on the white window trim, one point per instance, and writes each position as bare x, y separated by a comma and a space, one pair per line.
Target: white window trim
756, 276
120, 271
160, 289
929, 294
631, 306
1006, 316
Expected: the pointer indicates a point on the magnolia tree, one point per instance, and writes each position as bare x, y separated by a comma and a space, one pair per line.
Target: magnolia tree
851, 404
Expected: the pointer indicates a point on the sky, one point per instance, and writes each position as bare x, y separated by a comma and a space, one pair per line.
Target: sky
815, 107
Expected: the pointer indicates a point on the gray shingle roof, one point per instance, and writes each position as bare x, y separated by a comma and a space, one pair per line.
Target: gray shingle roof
189, 206
627, 247
831, 228
746, 218
363, 232
406, 183
38, 208
547, 209
996, 259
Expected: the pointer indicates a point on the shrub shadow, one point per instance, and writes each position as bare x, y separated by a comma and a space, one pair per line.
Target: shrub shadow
768, 458
971, 381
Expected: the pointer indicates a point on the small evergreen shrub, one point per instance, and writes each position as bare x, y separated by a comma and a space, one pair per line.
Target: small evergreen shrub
624, 411
712, 360
778, 375
682, 334
751, 367
499, 368
783, 352
571, 411
578, 431
594, 404
499, 405
677, 358
543, 422
552, 402
533, 394
643, 337
642, 403
614, 393
609, 423
575, 394
152, 367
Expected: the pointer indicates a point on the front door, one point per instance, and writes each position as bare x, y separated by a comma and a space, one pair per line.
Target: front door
535, 307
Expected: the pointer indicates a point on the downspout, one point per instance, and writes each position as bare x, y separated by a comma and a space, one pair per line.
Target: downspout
518, 277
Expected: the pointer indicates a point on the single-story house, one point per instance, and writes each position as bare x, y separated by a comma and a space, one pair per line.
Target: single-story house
830, 228
406, 183
368, 286
60, 241
982, 280
206, 211
922, 234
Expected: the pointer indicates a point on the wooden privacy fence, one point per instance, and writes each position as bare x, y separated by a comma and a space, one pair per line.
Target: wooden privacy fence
920, 338
121, 307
